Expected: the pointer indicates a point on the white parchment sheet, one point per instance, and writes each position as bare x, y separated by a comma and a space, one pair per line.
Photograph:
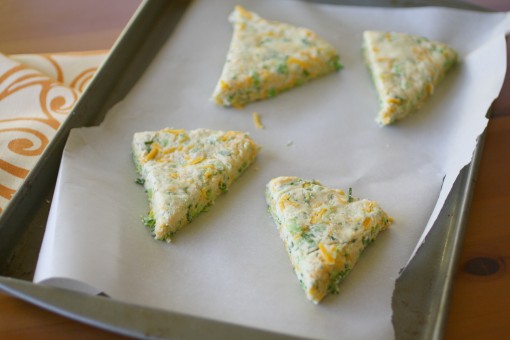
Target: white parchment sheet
229, 263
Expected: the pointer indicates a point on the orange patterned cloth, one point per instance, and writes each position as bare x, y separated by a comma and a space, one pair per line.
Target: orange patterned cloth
37, 92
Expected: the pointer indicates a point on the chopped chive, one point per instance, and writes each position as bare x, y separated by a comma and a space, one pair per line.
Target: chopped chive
148, 145
149, 221
256, 79
282, 69
336, 63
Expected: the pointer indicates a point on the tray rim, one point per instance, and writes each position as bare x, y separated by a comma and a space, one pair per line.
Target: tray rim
43, 296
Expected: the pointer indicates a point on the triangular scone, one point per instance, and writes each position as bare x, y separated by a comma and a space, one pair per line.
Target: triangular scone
324, 230
268, 57
405, 70
184, 171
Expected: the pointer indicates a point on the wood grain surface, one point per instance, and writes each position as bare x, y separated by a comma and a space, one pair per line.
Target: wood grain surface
480, 307
37, 26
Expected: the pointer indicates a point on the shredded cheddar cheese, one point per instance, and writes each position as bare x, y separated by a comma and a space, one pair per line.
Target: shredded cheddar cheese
316, 217
152, 154
257, 121
196, 160
325, 254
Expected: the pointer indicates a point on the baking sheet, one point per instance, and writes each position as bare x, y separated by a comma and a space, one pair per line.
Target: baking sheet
229, 263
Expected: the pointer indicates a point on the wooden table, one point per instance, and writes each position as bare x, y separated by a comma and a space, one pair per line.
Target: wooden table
480, 307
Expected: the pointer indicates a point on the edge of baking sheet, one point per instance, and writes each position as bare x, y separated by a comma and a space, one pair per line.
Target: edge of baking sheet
422, 292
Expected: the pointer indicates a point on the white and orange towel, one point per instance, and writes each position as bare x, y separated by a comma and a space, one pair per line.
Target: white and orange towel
37, 92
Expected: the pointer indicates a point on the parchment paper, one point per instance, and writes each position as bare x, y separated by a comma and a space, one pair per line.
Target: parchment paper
229, 263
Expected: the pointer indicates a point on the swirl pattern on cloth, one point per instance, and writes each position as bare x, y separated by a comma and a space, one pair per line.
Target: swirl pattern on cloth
37, 93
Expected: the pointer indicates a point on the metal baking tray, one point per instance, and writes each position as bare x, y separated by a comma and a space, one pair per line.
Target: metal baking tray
421, 296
